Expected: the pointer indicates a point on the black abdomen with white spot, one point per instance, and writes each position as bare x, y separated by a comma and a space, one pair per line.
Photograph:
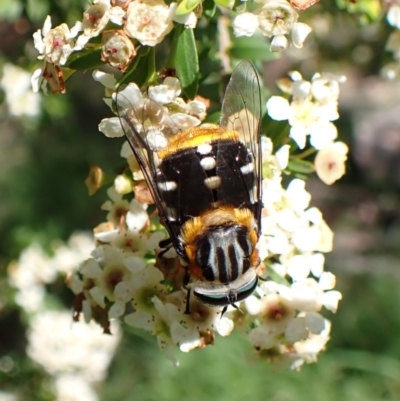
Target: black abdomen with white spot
194, 180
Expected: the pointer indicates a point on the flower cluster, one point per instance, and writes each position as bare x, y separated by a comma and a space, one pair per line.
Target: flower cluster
145, 23
310, 112
160, 108
276, 19
75, 355
125, 279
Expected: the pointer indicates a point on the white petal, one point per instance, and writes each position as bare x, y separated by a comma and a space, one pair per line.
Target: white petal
327, 281
279, 43
331, 299
116, 310
141, 320
38, 41
224, 326
315, 322
46, 26
137, 217
282, 156
279, 108
298, 267
253, 305
393, 16
317, 261
299, 33
184, 121
108, 80
245, 24
75, 29
126, 150
91, 269
98, 296
36, 79
131, 96
298, 134
296, 330
187, 339
135, 264
123, 292
261, 338
111, 127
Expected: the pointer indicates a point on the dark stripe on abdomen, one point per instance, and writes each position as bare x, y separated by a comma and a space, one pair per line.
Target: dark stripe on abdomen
234, 266
221, 263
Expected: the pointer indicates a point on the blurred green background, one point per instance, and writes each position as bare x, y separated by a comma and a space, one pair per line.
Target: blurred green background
45, 160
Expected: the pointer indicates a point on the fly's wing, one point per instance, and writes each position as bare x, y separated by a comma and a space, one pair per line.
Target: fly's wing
241, 112
147, 128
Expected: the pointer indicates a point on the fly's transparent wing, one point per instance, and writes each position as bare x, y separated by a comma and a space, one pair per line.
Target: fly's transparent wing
147, 128
241, 112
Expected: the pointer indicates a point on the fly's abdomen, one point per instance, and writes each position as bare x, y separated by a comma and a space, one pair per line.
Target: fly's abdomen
223, 253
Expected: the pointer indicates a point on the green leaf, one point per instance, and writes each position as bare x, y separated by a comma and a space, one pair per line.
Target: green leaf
85, 60
254, 48
131, 73
225, 3
300, 166
187, 63
186, 6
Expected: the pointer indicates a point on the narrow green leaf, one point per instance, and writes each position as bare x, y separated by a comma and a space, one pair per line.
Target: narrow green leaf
254, 48
187, 63
85, 60
300, 166
225, 3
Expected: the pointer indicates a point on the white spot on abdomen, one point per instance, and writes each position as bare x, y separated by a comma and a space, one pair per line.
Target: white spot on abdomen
208, 163
204, 149
213, 182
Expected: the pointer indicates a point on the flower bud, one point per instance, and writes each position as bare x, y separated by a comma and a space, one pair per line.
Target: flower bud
117, 49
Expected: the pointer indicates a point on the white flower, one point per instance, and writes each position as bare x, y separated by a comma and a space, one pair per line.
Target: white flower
311, 110
62, 347
330, 162
245, 24
276, 17
95, 19
393, 15
148, 22
165, 93
55, 45
20, 99
117, 207
73, 387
